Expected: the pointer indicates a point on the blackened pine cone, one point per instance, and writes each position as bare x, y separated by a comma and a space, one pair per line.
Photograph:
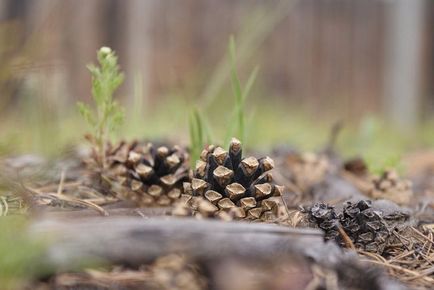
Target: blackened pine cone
325, 217
369, 229
225, 183
147, 174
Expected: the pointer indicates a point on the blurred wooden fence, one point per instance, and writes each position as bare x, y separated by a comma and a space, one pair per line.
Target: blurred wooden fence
328, 55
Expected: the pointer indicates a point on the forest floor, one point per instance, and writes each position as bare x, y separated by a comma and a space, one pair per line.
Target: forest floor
336, 226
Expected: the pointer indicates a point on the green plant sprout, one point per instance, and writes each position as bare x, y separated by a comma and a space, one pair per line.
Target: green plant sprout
198, 135
238, 120
200, 132
108, 114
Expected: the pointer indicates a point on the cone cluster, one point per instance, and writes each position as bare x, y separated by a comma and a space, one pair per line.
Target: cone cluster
225, 184
147, 174
369, 229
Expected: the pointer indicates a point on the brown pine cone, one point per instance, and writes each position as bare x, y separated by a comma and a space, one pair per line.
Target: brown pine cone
147, 174
305, 170
390, 186
225, 184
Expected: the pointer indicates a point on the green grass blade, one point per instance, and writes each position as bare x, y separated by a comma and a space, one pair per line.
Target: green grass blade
250, 81
236, 84
236, 87
199, 126
193, 140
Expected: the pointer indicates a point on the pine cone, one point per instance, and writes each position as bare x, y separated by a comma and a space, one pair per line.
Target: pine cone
225, 183
390, 186
147, 174
325, 217
305, 170
369, 229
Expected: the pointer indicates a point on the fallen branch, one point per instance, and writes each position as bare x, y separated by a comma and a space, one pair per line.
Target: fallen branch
136, 240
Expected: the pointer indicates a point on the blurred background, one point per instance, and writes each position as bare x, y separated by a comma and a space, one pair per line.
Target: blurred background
367, 64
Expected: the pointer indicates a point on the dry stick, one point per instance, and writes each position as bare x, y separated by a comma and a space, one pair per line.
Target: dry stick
62, 197
103, 200
423, 273
427, 245
399, 237
90, 192
401, 256
62, 180
285, 205
279, 178
422, 235
52, 187
416, 275
139, 213
348, 242
373, 255
137, 240
398, 268
81, 202
147, 212
427, 240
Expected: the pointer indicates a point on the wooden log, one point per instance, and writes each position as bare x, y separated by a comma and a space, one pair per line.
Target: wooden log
135, 241
67, 214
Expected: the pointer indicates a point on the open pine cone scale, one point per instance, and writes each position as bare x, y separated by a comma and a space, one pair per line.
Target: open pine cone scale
225, 183
147, 174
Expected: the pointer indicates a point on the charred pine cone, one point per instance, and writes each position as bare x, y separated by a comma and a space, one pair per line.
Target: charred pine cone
146, 174
369, 229
224, 184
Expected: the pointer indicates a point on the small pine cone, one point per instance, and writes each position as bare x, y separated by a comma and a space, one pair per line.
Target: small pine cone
147, 175
365, 226
305, 170
368, 228
390, 186
324, 217
228, 184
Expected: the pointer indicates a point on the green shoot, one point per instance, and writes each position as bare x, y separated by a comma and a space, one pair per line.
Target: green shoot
108, 114
199, 129
198, 135
238, 119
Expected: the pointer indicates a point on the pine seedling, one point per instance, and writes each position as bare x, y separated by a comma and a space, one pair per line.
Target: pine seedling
107, 114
